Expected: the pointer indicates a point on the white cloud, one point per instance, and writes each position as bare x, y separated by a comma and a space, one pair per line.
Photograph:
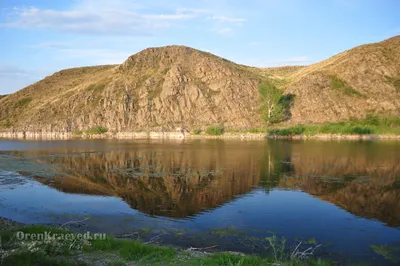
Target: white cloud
255, 43
223, 31
224, 19
104, 20
120, 17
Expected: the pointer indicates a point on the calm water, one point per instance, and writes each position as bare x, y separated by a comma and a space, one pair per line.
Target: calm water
231, 194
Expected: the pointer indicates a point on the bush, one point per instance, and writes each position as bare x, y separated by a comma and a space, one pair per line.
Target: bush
197, 131
215, 130
362, 130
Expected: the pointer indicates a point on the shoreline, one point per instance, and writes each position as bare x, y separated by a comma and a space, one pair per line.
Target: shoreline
186, 135
66, 247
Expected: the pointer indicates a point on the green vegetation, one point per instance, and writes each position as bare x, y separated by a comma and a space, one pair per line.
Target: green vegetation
111, 251
388, 252
257, 130
215, 130
370, 125
23, 102
197, 131
296, 130
275, 106
92, 131
340, 85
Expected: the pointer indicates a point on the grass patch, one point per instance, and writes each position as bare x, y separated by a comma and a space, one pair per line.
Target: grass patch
96, 130
91, 131
340, 85
257, 130
296, 130
215, 130
23, 102
111, 251
370, 125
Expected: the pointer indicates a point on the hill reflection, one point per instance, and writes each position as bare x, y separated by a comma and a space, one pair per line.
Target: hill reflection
181, 181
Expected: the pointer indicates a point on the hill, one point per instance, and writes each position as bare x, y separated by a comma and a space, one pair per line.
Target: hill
179, 87
159, 88
362, 80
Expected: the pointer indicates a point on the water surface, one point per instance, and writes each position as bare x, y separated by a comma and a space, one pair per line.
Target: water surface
344, 195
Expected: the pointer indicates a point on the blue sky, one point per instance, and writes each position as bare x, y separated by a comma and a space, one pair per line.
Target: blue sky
41, 37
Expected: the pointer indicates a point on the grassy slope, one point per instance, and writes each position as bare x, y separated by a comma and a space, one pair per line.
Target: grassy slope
118, 252
370, 125
38, 98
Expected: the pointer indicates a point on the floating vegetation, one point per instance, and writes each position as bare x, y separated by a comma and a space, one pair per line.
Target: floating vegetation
386, 251
226, 232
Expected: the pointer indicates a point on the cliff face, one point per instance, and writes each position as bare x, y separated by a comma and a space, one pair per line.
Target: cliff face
179, 87
158, 88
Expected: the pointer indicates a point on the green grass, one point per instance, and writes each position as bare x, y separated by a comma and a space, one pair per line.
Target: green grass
92, 131
23, 102
370, 125
215, 130
120, 251
257, 130
134, 250
296, 130
340, 85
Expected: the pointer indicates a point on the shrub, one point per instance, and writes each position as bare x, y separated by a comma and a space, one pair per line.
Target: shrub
215, 130
96, 130
197, 131
362, 130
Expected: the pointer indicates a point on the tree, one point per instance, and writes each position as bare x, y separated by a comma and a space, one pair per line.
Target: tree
271, 109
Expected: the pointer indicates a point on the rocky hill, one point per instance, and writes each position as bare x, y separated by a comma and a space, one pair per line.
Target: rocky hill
363, 80
179, 87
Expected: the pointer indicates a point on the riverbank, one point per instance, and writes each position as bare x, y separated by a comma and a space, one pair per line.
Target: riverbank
56, 245
187, 135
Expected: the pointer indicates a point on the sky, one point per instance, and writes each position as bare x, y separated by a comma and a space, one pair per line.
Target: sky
38, 38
